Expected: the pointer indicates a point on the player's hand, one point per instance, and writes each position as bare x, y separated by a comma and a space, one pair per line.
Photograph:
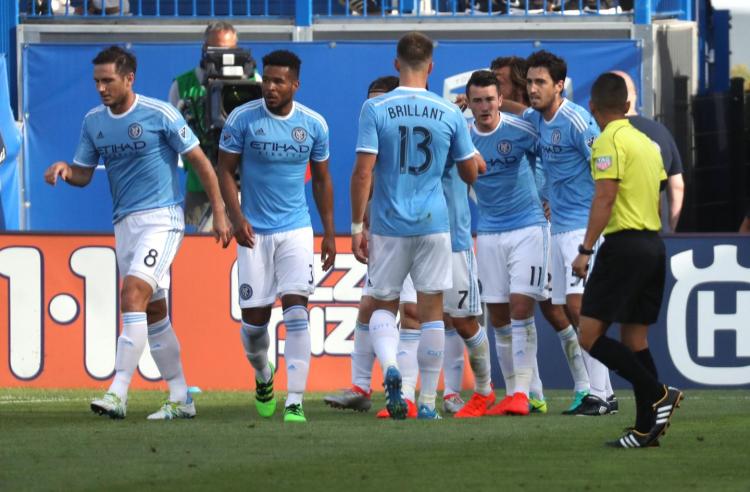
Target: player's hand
221, 229
244, 235
481, 163
581, 266
60, 170
547, 211
328, 252
462, 102
359, 247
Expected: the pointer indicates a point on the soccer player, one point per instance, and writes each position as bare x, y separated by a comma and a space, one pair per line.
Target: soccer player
138, 139
406, 137
626, 285
273, 139
566, 132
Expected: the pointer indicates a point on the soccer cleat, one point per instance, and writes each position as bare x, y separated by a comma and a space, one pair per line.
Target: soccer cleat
452, 403
354, 398
500, 408
111, 405
613, 404
664, 409
477, 406
634, 439
519, 405
427, 413
577, 400
411, 411
537, 405
265, 401
394, 399
592, 406
294, 413
172, 410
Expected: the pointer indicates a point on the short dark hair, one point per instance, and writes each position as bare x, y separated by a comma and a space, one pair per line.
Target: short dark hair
414, 49
283, 58
609, 92
217, 26
383, 84
483, 78
518, 69
123, 59
555, 65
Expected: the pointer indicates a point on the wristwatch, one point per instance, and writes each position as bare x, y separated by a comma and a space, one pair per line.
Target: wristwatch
584, 251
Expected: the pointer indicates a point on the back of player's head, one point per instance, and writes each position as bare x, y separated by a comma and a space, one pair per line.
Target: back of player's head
414, 50
555, 65
283, 58
123, 59
383, 84
609, 93
483, 78
216, 27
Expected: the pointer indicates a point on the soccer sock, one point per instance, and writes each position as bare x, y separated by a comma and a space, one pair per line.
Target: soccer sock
165, 349
524, 352
130, 345
504, 349
598, 374
384, 338
408, 344
256, 341
644, 417
608, 386
453, 362
296, 352
536, 388
362, 357
430, 357
574, 355
647, 361
479, 360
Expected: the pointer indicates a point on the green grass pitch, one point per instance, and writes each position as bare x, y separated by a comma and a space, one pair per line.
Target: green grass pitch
49, 440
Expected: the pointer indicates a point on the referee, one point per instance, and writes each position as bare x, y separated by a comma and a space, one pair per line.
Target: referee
627, 281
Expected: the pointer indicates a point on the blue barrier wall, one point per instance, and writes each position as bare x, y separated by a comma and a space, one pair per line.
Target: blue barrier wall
58, 91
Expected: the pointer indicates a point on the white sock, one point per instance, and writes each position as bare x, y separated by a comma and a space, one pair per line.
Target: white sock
408, 344
609, 390
362, 357
430, 357
296, 353
536, 388
598, 375
130, 345
165, 349
524, 352
453, 362
479, 360
384, 338
255, 340
574, 355
504, 349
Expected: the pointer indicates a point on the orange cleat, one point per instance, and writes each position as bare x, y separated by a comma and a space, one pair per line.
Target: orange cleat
519, 405
477, 406
411, 412
500, 408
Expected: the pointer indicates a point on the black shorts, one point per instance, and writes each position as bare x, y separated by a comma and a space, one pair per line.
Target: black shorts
626, 284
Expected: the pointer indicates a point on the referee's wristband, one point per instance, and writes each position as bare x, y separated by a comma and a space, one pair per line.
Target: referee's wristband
357, 227
584, 251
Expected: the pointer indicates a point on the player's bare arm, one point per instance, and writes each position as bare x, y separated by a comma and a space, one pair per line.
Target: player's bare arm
243, 231
509, 106
202, 166
323, 194
675, 194
605, 194
73, 175
360, 192
469, 169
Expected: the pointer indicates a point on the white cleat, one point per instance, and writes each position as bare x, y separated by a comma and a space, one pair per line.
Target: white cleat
172, 410
452, 403
111, 405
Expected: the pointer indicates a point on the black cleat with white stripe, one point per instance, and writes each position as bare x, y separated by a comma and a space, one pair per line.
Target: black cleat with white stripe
663, 411
634, 439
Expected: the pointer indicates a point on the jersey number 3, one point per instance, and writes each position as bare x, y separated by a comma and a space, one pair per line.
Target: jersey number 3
423, 146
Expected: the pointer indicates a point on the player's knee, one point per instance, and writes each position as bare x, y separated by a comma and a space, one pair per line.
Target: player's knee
257, 315
156, 311
135, 295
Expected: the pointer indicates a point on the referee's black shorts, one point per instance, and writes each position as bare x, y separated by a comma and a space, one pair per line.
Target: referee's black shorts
626, 284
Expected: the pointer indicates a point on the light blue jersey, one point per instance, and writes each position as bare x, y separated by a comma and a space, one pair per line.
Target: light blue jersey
507, 195
565, 149
275, 152
457, 198
414, 133
139, 150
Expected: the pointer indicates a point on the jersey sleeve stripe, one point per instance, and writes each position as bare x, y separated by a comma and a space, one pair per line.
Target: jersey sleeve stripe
83, 164
95, 110
309, 112
366, 150
574, 118
191, 147
526, 128
166, 113
164, 107
229, 151
242, 109
466, 157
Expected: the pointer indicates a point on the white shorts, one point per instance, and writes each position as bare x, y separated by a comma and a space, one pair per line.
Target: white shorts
427, 258
146, 244
278, 264
513, 262
408, 294
462, 300
564, 250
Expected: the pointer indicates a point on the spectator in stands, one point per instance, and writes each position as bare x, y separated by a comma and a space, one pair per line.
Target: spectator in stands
745, 226
669, 154
111, 7
187, 94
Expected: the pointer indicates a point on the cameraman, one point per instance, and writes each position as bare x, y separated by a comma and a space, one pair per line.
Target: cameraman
187, 94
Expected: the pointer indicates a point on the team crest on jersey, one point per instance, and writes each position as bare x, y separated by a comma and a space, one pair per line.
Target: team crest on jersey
556, 136
246, 292
135, 130
299, 134
603, 163
504, 147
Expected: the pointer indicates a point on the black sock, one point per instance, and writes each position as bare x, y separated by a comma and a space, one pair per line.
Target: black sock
644, 415
623, 361
644, 357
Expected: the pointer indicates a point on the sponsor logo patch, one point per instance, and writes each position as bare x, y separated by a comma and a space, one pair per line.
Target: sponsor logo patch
603, 163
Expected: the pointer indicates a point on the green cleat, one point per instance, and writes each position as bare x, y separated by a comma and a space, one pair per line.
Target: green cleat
294, 413
577, 401
537, 405
265, 401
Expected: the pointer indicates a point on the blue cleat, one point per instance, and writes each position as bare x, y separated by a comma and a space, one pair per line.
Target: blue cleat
394, 399
427, 413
